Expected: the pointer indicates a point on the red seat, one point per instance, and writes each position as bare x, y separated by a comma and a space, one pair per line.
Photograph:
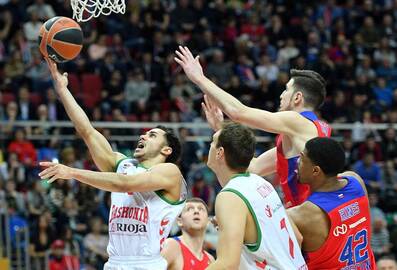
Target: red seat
74, 83
35, 99
7, 98
91, 88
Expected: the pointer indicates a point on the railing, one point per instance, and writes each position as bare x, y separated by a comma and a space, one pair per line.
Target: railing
5, 239
196, 127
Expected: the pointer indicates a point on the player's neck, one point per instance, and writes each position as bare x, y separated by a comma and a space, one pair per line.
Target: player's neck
224, 175
300, 109
194, 242
328, 185
148, 163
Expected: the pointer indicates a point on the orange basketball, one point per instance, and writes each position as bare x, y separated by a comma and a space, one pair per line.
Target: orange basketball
61, 39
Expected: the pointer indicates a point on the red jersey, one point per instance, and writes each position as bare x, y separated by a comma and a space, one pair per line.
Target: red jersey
190, 261
348, 243
296, 193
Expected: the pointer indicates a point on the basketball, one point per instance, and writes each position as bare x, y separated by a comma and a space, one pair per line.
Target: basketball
60, 39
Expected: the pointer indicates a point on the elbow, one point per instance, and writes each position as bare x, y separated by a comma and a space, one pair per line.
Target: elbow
234, 112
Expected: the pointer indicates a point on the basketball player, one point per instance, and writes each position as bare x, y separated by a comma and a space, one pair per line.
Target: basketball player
186, 252
295, 123
254, 230
335, 220
148, 190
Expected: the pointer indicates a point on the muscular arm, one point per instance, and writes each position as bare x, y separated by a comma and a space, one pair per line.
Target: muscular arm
231, 213
99, 147
265, 164
287, 122
160, 177
315, 229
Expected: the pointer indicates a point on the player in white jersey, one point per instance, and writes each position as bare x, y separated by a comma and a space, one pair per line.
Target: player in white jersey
254, 230
148, 191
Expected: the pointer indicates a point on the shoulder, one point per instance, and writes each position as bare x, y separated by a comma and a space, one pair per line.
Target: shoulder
172, 244
169, 170
295, 121
356, 176
119, 158
299, 214
171, 251
231, 201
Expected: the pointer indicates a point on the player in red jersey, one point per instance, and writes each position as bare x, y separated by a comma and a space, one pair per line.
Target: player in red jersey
186, 251
295, 122
335, 220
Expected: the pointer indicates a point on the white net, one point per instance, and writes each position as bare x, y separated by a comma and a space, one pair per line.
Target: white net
84, 10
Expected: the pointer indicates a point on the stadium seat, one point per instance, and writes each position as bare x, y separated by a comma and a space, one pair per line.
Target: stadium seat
91, 88
8, 97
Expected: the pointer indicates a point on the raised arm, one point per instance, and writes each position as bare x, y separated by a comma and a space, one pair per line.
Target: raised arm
287, 122
213, 113
265, 164
160, 177
99, 147
231, 213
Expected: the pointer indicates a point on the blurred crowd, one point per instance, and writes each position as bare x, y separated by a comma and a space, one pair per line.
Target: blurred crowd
126, 72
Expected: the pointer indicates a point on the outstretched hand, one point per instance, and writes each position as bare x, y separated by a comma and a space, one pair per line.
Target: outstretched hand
60, 80
191, 65
213, 113
55, 171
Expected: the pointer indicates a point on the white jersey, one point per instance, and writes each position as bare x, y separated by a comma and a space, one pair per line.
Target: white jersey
276, 247
140, 221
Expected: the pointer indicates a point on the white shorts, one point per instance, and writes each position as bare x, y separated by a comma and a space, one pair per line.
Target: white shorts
136, 263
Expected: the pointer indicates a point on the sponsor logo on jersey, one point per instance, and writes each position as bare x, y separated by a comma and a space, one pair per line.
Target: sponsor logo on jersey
268, 211
358, 222
265, 190
324, 128
278, 206
349, 211
340, 230
131, 228
133, 213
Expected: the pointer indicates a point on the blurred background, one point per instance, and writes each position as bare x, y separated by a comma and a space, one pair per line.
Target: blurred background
126, 77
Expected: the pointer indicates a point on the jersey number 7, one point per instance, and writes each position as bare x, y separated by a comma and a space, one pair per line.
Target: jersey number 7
290, 242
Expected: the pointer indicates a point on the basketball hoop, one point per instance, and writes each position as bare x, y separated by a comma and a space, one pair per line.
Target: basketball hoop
84, 10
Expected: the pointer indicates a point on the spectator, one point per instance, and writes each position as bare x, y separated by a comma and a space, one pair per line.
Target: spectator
369, 170
266, 69
380, 238
96, 243
137, 91
42, 237
59, 260
36, 200
23, 148
220, 70
31, 28
43, 10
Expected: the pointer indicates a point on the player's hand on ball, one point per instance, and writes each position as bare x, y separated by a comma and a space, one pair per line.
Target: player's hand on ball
213, 113
55, 171
191, 65
60, 80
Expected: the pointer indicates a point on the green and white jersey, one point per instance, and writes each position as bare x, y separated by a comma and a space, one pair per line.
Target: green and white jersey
139, 222
276, 246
